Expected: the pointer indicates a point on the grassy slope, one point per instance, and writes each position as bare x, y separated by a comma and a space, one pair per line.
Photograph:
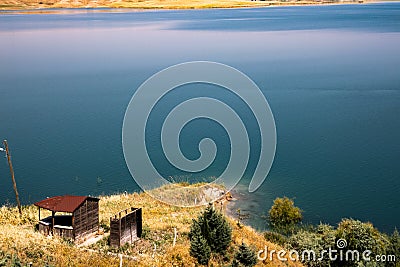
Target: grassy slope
150, 4
18, 238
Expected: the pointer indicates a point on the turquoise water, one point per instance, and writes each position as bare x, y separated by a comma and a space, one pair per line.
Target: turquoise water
330, 74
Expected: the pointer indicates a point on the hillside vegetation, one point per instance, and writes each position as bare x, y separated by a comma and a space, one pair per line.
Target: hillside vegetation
151, 4
19, 242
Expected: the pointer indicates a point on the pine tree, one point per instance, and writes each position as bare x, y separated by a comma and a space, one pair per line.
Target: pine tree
211, 230
223, 236
216, 230
246, 256
199, 248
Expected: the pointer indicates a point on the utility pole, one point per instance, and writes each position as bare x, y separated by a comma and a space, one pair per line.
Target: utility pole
12, 175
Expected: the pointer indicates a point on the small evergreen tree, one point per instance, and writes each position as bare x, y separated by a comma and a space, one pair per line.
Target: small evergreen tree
245, 256
213, 228
199, 248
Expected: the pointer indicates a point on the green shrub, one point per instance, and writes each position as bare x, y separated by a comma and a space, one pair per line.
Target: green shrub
395, 246
362, 236
276, 238
12, 261
283, 215
105, 226
4, 258
358, 236
146, 232
245, 256
321, 239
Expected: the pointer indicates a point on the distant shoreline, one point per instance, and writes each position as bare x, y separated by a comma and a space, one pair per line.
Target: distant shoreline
54, 6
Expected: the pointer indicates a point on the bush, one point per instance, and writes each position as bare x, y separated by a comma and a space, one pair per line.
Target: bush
395, 246
321, 239
359, 237
146, 232
105, 226
211, 230
245, 256
276, 238
12, 261
283, 215
362, 236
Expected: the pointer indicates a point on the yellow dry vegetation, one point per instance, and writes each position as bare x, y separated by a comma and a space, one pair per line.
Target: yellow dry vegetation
19, 239
151, 4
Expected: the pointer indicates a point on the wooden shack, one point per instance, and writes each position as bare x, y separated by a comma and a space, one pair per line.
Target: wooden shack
80, 216
125, 227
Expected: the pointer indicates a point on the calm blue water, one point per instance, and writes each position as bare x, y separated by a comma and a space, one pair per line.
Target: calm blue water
330, 74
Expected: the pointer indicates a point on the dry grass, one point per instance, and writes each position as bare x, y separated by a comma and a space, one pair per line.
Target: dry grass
149, 4
18, 237
31, 246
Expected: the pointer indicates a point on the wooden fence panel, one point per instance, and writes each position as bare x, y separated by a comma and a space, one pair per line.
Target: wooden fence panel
126, 227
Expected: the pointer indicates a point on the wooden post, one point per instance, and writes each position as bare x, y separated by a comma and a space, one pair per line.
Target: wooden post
124, 226
119, 229
12, 175
39, 213
52, 222
130, 231
175, 233
86, 218
73, 225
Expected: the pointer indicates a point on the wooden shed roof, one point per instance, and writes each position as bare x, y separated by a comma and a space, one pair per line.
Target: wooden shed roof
65, 203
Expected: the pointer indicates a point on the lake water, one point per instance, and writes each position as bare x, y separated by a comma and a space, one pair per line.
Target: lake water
330, 74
